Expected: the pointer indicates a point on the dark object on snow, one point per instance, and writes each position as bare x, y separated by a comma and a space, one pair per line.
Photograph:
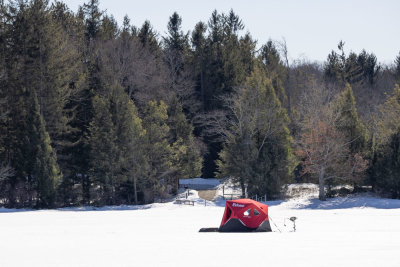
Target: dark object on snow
208, 230
293, 219
245, 215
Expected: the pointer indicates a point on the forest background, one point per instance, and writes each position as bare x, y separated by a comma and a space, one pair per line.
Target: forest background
96, 113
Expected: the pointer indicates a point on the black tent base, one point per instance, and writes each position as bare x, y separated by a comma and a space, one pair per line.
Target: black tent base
236, 226
208, 230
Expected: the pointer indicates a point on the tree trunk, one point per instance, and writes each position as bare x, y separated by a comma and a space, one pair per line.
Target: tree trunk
243, 189
203, 99
135, 190
322, 185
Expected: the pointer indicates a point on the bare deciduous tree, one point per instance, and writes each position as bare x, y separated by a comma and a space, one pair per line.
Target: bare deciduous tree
322, 148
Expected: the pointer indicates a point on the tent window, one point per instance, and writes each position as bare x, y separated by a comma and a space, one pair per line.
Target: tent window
247, 212
256, 213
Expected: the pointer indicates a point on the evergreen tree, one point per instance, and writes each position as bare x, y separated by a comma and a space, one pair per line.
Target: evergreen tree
384, 173
229, 59
117, 157
198, 59
158, 150
130, 154
354, 69
102, 156
275, 70
41, 168
369, 66
93, 20
258, 148
397, 68
353, 130
187, 158
176, 56
148, 37
176, 39
386, 169
109, 28
350, 124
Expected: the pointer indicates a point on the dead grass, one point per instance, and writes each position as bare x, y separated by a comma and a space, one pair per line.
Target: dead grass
207, 194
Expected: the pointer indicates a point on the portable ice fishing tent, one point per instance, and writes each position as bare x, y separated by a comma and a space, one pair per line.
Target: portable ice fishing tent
245, 215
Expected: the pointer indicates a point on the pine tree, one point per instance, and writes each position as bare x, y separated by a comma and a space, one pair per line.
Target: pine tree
350, 124
41, 52
158, 150
176, 39
103, 150
148, 37
385, 170
397, 68
198, 59
41, 166
352, 68
258, 148
93, 20
275, 69
229, 59
186, 153
130, 162
108, 29
354, 131
117, 156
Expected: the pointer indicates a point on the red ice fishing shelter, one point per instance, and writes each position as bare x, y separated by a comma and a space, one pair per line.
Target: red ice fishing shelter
245, 215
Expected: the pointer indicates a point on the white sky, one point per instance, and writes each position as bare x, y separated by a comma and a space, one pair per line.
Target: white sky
312, 28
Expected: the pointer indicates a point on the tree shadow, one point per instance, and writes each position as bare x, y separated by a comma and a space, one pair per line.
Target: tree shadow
82, 209
349, 203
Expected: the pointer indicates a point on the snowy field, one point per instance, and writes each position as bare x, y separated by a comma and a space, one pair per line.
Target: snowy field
353, 231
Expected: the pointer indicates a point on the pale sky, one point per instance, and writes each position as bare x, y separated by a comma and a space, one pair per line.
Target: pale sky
312, 28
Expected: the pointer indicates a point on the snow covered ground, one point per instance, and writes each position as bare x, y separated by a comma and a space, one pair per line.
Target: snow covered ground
352, 231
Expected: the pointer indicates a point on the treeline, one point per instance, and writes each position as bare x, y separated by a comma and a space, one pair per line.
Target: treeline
92, 113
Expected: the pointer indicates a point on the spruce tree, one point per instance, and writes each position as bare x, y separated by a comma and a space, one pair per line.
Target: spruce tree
397, 68
198, 60
229, 59
258, 149
158, 149
354, 131
176, 39
350, 124
148, 37
131, 161
41, 166
102, 156
385, 169
187, 158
